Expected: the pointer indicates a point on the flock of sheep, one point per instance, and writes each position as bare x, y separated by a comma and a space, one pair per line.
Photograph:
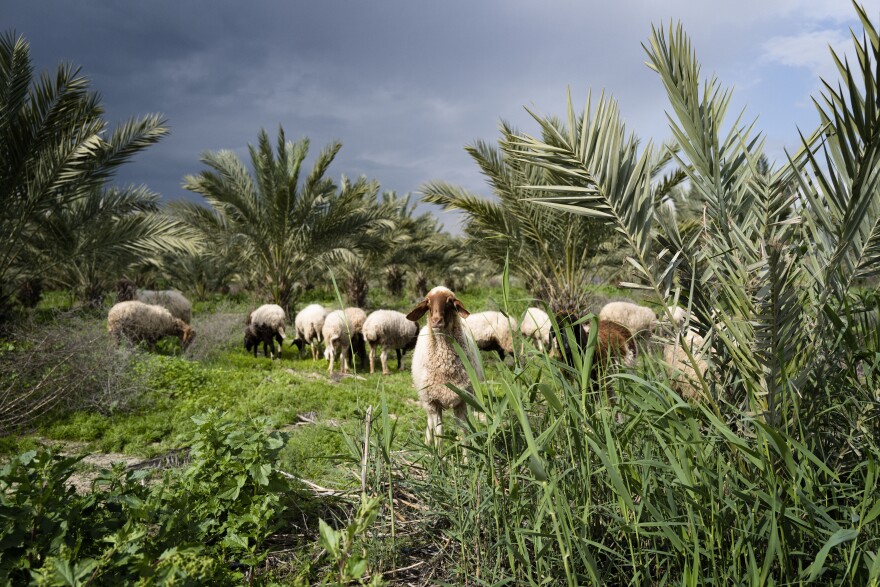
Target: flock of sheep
151, 315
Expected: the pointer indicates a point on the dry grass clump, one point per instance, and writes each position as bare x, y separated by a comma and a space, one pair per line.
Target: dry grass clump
67, 362
215, 332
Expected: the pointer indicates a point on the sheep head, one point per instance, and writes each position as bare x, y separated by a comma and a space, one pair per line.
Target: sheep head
443, 306
186, 333
250, 337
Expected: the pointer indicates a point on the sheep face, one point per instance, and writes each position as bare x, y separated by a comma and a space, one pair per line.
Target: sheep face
442, 308
187, 334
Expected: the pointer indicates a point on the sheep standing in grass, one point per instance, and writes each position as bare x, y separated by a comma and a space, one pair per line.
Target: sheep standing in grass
436, 364
266, 325
170, 299
390, 330
492, 331
639, 320
342, 331
137, 321
536, 326
614, 343
308, 324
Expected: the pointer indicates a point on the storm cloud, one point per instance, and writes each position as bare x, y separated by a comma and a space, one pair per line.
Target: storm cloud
406, 85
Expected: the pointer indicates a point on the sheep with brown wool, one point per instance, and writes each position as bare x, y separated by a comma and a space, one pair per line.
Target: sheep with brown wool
614, 343
436, 365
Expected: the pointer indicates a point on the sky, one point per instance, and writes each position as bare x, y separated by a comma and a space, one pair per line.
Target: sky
405, 85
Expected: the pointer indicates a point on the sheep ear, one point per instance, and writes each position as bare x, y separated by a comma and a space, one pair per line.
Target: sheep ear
418, 311
460, 309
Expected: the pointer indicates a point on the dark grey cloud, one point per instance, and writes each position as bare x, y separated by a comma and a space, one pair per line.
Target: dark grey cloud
405, 85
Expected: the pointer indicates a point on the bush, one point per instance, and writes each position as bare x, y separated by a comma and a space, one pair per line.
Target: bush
69, 362
198, 526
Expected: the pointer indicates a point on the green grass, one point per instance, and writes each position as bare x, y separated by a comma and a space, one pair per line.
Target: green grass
232, 380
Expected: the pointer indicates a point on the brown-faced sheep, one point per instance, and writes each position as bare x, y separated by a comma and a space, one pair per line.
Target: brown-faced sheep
435, 364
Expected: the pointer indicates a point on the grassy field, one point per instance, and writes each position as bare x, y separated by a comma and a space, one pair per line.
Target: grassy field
266, 471
295, 393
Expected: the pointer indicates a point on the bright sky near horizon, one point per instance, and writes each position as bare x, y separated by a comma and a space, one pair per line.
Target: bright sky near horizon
406, 85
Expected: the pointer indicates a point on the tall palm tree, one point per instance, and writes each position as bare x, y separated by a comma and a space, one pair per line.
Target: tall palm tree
282, 227
556, 253
55, 148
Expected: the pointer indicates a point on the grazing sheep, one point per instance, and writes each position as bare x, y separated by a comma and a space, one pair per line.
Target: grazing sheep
390, 330
170, 299
435, 363
308, 324
343, 331
639, 320
137, 321
266, 325
536, 326
492, 331
614, 343
682, 375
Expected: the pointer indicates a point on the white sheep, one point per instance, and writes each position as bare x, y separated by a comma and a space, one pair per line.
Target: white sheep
265, 324
390, 330
170, 299
682, 374
536, 326
435, 363
639, 320
492, 331
308, 324
137, 321
342, 331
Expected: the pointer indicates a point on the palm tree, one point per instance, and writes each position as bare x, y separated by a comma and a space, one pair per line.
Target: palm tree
94, 239
418, 243
771, 272
55, 148
557, 254
283, 228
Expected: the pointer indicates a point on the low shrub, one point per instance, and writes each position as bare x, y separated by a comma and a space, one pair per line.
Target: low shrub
205, 524
69, 362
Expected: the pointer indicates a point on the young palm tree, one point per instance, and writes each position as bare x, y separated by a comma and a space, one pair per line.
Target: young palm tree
91, 241
557, 254
282, 227
771, 272
54, 150
417, 241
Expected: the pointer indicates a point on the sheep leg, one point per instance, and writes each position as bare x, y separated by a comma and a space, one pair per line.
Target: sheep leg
280, 344
345, 362
373, 360
435, 424
399, 359
332, 356
501, 354
384, 357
